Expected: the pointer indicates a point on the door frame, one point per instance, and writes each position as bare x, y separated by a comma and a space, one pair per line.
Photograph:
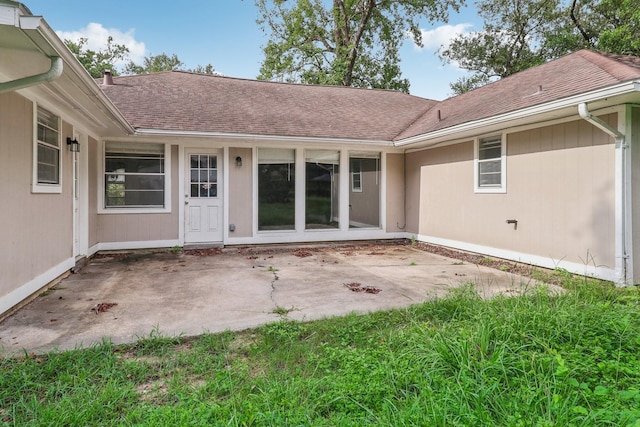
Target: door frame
183, 167
80, 197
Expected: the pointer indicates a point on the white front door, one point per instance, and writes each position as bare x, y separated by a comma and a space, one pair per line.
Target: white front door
203, 196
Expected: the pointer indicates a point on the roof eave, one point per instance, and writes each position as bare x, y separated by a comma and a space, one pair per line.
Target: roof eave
47, 41
481, 126
262, 138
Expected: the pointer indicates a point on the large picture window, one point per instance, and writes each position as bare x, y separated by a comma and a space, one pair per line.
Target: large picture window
322, 189
48, 148
134, 175
364, 198
276, 189
490, 165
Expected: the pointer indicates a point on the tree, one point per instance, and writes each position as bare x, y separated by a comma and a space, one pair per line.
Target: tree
95, 62
519, 34
207, 69
347, 43
154, 64
512, 39
164, 62
608, 25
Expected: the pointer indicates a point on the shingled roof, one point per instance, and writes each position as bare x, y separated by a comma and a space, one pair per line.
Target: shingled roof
570, 75
184, 101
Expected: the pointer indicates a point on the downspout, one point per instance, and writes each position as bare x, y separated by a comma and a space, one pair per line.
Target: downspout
622, 217
54, 72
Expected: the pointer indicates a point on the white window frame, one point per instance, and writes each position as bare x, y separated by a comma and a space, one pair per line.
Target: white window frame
502, 188
102, 209
356, 188
38, 187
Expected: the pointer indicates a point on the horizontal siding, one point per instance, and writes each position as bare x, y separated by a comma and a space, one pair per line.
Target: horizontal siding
560, 188
142, 227
36, 229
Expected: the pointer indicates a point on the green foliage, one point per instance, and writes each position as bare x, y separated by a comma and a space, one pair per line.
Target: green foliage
347, 43
540, 359
154, 64
96, 62
519, 35
511, 40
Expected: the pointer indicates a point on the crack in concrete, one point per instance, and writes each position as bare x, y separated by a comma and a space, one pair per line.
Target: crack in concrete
273, 287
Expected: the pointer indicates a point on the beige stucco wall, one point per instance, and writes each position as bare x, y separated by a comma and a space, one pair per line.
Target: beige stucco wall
36, 229
241, 192
560, 188
395, 193
122, 227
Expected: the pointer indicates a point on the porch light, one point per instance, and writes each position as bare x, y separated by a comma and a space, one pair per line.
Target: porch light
74, 145
238, 161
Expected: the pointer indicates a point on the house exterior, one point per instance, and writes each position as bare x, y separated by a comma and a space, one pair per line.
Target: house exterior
541, 167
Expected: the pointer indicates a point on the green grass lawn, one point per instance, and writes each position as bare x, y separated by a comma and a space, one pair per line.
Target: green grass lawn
535, 360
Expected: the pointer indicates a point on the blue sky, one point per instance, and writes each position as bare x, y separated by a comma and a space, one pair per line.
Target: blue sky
224, 33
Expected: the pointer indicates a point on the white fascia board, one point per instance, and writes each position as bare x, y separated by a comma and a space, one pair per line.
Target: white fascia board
263, 138
46, 40
596, 95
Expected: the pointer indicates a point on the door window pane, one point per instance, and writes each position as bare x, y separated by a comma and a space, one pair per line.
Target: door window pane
364, 197
203, 174
322, 189
276, 189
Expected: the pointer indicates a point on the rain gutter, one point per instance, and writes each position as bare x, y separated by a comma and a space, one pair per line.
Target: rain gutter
623, 261
54, 72
11, 16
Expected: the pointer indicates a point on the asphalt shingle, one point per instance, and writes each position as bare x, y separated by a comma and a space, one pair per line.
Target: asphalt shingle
184, 101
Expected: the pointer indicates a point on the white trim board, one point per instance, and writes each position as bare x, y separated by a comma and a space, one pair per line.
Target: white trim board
318, 236
20, 294
144, 244
599, 272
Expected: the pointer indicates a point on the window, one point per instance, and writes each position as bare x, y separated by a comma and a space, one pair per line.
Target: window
47, 161
134, 175
276, 189
364, 198
322, 189
490, 165
356, 175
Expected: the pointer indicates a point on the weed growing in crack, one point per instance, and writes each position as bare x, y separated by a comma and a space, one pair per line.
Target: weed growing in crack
282, 311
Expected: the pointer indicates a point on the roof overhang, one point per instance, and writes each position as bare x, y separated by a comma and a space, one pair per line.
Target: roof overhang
246, 137
27, 44
627, 92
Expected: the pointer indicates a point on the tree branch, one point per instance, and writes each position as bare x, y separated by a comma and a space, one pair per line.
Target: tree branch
584, 34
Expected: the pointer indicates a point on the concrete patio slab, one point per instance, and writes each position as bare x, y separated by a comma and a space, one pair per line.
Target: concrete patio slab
123, 297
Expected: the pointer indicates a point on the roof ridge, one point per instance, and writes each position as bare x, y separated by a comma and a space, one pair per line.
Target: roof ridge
601, 57
415, 120
254, 80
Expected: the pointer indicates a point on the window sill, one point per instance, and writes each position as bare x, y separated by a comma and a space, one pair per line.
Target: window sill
122, 211
46, 189
496, 190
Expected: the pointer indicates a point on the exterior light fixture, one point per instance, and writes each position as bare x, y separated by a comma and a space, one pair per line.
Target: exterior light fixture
238, 161
74, 145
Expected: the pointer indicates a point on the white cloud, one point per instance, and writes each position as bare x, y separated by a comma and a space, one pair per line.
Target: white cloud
441, 36
97, 35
